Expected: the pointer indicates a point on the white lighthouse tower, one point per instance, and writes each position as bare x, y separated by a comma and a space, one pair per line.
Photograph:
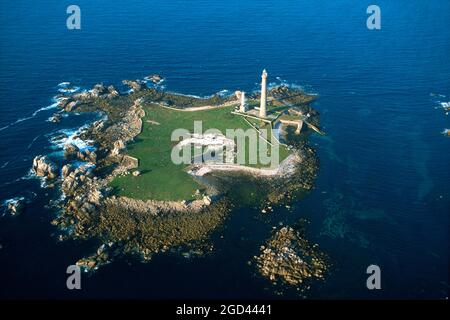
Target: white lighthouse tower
263, 103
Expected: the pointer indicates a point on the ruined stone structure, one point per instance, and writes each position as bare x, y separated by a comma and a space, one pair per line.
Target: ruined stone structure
243, 107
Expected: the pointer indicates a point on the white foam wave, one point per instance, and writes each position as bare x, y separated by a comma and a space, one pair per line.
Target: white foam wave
31, 143
69, 90
5, 127
13, 200
445, 105
52, 106
72, 137
35, 113
224, 93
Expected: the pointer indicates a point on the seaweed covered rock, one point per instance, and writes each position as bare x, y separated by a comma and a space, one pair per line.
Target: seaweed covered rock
56, 117
94, 261
289, 257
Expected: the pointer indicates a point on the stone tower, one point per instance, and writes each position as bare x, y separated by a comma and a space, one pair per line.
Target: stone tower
243, 107
263, 103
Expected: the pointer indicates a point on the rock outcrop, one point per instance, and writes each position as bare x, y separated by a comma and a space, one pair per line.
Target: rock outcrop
87, 156
66, 169
134, 85
155, 78
112, 92
42, 167
118, 146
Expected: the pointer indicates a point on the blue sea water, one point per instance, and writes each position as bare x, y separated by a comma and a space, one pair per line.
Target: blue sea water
383, 191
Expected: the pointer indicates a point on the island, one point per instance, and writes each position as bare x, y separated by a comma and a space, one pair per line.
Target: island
125, 190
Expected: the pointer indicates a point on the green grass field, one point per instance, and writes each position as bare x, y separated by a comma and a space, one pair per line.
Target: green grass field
160, 178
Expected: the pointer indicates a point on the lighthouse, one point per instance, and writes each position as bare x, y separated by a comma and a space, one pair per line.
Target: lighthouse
263, 103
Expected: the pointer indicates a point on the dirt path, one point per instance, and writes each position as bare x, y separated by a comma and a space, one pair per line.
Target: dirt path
192, 109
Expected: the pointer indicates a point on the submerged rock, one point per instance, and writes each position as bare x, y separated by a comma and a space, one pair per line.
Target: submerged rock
15, 206
56, 117
446, 132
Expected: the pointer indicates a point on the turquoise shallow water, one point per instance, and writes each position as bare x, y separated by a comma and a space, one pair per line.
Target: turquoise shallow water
382, 194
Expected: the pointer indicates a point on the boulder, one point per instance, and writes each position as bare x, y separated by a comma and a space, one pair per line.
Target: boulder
70, 151
98, 125
42, 167
98, 90
112, 92
207, 200
129, 162
66, 169
136, 173
94, 196
87, 155
70, 106
55, 118
69, 185
88, 207
118, 146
